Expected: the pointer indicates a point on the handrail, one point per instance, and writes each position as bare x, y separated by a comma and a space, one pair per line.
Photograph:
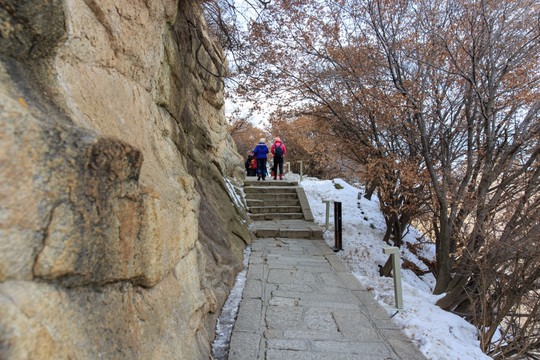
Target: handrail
327, 223
396, 269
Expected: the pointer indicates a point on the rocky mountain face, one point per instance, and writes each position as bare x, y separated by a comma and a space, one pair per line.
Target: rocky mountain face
118, 238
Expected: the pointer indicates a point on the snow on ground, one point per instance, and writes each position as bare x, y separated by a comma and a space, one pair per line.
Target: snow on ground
437, 333
225, 322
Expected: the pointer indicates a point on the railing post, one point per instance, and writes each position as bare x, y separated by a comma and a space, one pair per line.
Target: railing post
327, 223
288, 167
338, 234
300, 161
396, 269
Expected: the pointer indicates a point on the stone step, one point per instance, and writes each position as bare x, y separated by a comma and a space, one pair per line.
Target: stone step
276, 201
271, 196
275, 209
270, 189
276, 216
270, 182
294, 234
295, 229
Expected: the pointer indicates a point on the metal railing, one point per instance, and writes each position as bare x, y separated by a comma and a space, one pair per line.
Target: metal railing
327, 222
396, 274
288, 165
393, 251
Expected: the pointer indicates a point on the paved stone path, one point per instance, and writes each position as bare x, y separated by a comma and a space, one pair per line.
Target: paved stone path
301, 302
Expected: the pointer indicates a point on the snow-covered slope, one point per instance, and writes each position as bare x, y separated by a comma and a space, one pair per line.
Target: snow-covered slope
438, 333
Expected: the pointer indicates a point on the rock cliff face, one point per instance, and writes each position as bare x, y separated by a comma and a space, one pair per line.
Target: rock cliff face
118, 239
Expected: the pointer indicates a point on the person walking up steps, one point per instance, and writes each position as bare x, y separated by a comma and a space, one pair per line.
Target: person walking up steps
251, 165
260, 152
278, 151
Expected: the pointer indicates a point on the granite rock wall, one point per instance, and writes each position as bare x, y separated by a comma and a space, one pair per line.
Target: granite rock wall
118, 238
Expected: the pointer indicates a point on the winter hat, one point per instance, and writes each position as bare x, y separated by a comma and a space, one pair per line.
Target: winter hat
262, 140
278, 139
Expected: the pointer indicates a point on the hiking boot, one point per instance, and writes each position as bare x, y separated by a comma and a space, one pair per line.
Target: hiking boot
258, 178
280, 177
275, 178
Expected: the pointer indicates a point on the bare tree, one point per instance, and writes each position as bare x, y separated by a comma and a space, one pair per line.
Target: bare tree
480, 145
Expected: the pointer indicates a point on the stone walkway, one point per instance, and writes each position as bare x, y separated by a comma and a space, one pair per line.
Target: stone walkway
301, 302
296, 229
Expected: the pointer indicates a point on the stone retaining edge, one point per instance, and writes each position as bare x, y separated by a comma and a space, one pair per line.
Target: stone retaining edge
308, 216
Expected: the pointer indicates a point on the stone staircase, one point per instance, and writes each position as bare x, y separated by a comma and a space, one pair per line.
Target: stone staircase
272, 200
279, 208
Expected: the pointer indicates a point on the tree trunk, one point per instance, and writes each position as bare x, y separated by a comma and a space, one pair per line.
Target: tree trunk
454, 297
443, 255
370, 190
386, 270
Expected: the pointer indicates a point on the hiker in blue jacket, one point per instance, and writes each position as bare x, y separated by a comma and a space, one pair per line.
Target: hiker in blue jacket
260, 152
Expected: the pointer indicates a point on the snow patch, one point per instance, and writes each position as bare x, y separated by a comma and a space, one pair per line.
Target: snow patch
225, 323
437, 333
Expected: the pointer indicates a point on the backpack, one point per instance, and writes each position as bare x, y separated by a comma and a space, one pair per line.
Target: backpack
278, 150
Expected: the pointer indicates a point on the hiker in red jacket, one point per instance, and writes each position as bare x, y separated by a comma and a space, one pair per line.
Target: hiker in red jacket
278, 151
